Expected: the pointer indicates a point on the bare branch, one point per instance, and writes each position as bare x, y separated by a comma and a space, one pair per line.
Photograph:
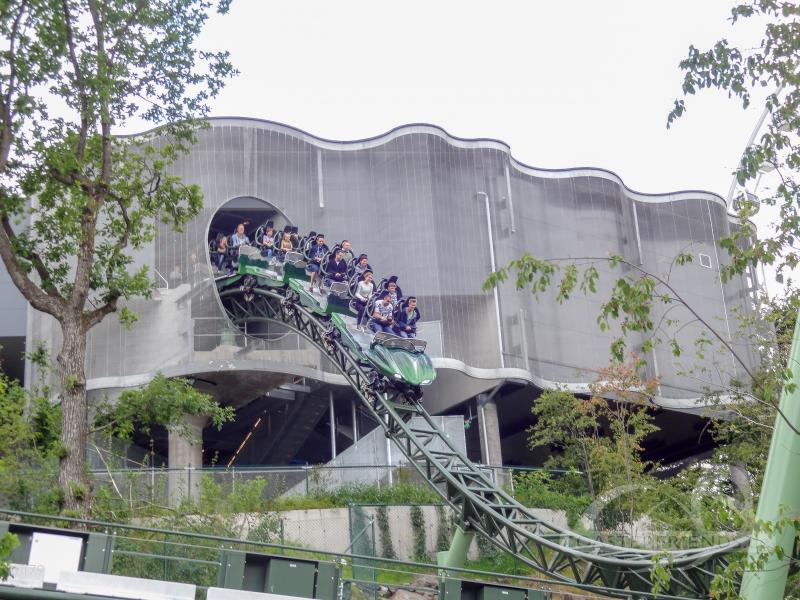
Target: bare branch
674, 292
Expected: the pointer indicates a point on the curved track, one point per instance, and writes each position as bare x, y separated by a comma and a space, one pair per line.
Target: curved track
480, 505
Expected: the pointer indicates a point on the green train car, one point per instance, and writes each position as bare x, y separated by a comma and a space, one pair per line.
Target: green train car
400, 362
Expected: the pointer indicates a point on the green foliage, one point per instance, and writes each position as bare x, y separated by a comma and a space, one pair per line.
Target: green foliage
29, 452
630, 305
601, 438
418, 532
770, 64
240, 513
8, 542
110, 63
358, 493
162, 402
540, 489
444, 531
99, 197
382, 518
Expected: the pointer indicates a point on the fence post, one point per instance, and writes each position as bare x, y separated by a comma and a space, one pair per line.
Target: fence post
283, 538
165, 558
189, 487
305, 469
233, 480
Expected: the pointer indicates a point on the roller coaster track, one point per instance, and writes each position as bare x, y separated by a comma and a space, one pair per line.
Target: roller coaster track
480, 505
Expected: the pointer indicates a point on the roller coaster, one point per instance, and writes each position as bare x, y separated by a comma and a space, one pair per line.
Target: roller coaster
388, 374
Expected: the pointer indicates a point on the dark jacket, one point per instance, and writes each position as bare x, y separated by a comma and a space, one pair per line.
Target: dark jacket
336, 272
402, 320
314, 250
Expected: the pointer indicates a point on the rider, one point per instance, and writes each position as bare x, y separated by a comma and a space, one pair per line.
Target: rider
347, 251
316, 253
382, 315
240, 237
394, 290
405, 323
364, 290
361, 266
222, 252
336, 269
284, 246
268, 242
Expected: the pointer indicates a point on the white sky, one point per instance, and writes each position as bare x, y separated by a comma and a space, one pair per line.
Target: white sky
579, 83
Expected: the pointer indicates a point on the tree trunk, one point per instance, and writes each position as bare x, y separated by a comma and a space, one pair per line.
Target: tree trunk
72, 475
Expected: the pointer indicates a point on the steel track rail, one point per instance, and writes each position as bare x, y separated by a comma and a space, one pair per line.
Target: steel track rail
480, 505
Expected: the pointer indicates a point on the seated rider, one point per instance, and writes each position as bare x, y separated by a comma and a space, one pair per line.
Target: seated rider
347, 251
405, 322
361, 265
382, 315
239, 238
336, 268
222, 253
364, 290
268, 242
285, 245
394, 290
316, 253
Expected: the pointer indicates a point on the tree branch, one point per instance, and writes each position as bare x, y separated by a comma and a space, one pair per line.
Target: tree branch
6, 113
36, 261
102, 75
80, 83
673, 292
93, 317
32, 293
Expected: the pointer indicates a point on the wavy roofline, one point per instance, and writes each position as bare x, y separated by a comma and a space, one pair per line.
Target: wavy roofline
480, 142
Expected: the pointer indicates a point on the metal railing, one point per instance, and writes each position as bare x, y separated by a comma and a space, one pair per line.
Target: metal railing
196, 557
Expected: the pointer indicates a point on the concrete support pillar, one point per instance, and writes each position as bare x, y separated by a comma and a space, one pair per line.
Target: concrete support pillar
491, 448
185, 461
332, 416
355, 421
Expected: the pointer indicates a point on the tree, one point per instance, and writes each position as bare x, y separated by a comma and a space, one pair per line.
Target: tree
739, 72
602, 434
75, 200
571, 425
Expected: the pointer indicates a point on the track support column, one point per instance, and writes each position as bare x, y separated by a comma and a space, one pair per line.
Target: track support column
456, 556
186, 455
780, 493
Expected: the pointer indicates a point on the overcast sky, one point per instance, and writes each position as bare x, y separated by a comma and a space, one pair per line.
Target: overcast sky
581, 83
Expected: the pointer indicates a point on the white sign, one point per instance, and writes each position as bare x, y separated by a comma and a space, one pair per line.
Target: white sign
56, 553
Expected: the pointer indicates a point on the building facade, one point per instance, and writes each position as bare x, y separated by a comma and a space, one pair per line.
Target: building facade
441, 213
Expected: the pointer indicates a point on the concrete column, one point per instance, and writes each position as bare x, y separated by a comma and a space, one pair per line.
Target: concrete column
355, 421
332, 416
491, 449
185, 461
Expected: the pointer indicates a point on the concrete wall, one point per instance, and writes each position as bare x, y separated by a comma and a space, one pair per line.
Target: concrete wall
329, 529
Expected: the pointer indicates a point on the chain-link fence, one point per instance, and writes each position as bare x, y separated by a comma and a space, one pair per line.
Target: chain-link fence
172, 486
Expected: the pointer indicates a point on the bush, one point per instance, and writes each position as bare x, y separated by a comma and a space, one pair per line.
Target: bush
401, 493
568, 492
